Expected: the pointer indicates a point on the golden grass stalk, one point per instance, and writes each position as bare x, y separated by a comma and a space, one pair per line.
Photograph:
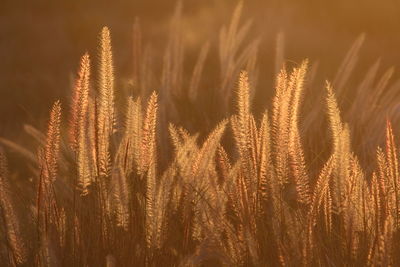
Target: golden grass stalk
78, 125
46, 205
52, 147
148, 144
243, 115
148, 165
106, 111
245, 131
296, 153
79, 100
280, 123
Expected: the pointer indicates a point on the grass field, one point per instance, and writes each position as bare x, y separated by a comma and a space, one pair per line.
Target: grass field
194, 158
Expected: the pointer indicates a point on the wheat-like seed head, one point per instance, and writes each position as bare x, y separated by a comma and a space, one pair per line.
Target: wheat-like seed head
79, 101
52, 147
106, 110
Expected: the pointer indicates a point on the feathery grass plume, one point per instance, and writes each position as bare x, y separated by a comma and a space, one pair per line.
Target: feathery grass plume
249, 179
50, 156
264, 168
79, 101
51, 150
280, 124
285, 227
148, 165
78, 125
334, 115
244, 135
265, 171
9, 220
148, 144
287, 149
89, 138
342, 157
46, 205
105, 104
296, 154
243, 103
289, 164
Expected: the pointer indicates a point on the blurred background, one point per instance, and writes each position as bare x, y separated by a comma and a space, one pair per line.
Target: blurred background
41, 42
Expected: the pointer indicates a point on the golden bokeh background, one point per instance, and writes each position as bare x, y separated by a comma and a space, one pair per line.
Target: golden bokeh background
41, 41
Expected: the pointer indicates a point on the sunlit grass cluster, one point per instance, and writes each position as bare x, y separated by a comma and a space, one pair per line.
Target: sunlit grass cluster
119, 185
